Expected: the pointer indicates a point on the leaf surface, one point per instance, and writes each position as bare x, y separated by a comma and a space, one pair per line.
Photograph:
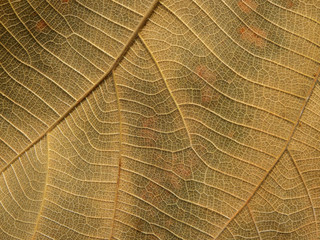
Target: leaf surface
185, 119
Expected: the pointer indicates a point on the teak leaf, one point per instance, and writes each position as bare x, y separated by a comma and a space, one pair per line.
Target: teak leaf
189, 119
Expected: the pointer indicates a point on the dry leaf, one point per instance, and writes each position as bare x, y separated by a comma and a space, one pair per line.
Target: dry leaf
185, 119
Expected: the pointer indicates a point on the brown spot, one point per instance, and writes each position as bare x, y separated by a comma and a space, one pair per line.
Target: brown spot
149, 192
183, 171
170, 222
65, 1
140, 224
289, 3
149, 137
201, 70
149, 122
175, 181
242, 30
41, 25
208, 95
247, 6
205, 73
157, 157
255, 36
231, 133
145, 196
205, 100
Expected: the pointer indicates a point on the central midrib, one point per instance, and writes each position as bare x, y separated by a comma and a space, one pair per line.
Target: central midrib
92, 88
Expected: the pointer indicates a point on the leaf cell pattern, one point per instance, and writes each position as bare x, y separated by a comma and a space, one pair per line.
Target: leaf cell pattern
189, 119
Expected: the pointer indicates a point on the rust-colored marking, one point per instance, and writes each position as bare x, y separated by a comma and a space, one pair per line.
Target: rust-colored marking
289, 4
183, 171
149, 136
231, 133
242, 30
208, 95
247, 6
148, 193
149, 122
41, 25
255, 36
175, 181
207, 74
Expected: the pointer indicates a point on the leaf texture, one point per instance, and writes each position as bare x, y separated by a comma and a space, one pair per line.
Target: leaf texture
187, 119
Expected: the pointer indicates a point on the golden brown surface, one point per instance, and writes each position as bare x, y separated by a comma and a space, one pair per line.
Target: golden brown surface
165, 119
